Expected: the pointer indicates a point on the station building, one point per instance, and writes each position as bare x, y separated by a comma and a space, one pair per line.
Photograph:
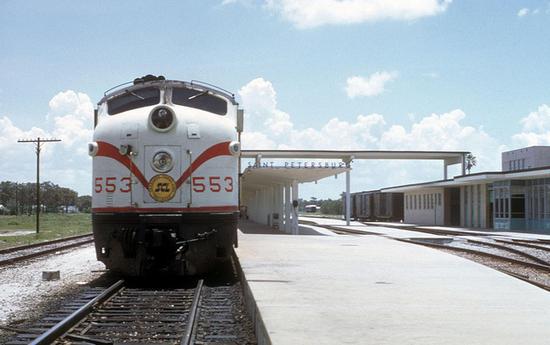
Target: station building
269, 192
516, 198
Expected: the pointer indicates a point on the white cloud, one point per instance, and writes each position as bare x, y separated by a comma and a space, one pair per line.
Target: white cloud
526, 11
69, 118
432, 75
72, 113
446, 131
523, 12
308, 14
535, 128
246, 3
261, 99
252, 140
272, 126
373, 85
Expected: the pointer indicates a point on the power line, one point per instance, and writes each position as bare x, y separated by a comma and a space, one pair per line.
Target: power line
38, 147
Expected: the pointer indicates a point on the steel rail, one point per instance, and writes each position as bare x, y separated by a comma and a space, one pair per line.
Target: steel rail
526, 279
192, 316
511, 250
528, 243
16, 259
545, 268
70, 321
40, 244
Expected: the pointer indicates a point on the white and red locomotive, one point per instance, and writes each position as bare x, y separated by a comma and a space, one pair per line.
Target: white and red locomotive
165, 176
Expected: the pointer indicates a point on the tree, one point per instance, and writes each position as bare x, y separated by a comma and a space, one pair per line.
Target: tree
68, 198
331, 206
21, 197
471, 161
84, 203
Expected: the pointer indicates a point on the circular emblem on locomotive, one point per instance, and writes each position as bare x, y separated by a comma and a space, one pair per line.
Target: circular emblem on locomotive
162, 188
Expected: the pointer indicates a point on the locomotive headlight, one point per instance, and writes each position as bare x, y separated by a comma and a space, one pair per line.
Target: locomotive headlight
162, 119
234, 147
162, 162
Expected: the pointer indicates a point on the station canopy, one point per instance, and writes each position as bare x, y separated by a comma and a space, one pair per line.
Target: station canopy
258, 177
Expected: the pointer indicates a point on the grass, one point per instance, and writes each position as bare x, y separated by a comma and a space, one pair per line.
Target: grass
52, 226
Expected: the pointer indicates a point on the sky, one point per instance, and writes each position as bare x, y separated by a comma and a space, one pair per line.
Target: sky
310, 74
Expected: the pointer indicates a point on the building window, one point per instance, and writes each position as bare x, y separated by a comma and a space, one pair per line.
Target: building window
415, 201
509, 165
427, 201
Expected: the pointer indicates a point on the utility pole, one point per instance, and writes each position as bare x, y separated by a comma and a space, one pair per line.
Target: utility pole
38, 141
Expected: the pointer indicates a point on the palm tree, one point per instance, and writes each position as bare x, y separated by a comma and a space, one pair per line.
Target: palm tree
471, 161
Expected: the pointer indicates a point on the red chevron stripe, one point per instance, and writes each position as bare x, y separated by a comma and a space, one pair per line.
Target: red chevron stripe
105, 149
221, 149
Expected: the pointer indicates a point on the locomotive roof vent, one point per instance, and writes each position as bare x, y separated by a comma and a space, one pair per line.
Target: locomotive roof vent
148, 77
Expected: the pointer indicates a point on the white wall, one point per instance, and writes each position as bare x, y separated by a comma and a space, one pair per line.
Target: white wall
426, 211
526, 158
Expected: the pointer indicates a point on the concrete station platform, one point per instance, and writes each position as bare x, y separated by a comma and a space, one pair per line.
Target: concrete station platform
375, 290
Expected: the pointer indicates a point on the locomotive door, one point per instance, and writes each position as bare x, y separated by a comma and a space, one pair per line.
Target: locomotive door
163, 187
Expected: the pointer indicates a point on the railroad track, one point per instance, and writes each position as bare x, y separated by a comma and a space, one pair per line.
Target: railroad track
181, 312
14, 255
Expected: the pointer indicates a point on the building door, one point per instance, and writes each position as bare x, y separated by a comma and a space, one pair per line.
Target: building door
451, 198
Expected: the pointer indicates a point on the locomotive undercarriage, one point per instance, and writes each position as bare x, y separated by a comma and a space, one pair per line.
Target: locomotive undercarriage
181, 244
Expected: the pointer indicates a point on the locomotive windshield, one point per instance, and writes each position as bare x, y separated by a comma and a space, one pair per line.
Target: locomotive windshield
133, 100
200, 100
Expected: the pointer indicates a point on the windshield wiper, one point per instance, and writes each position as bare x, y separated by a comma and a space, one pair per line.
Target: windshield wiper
135, 94
198, 95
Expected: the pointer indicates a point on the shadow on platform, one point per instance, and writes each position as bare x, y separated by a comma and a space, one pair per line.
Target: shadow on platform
249, 227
